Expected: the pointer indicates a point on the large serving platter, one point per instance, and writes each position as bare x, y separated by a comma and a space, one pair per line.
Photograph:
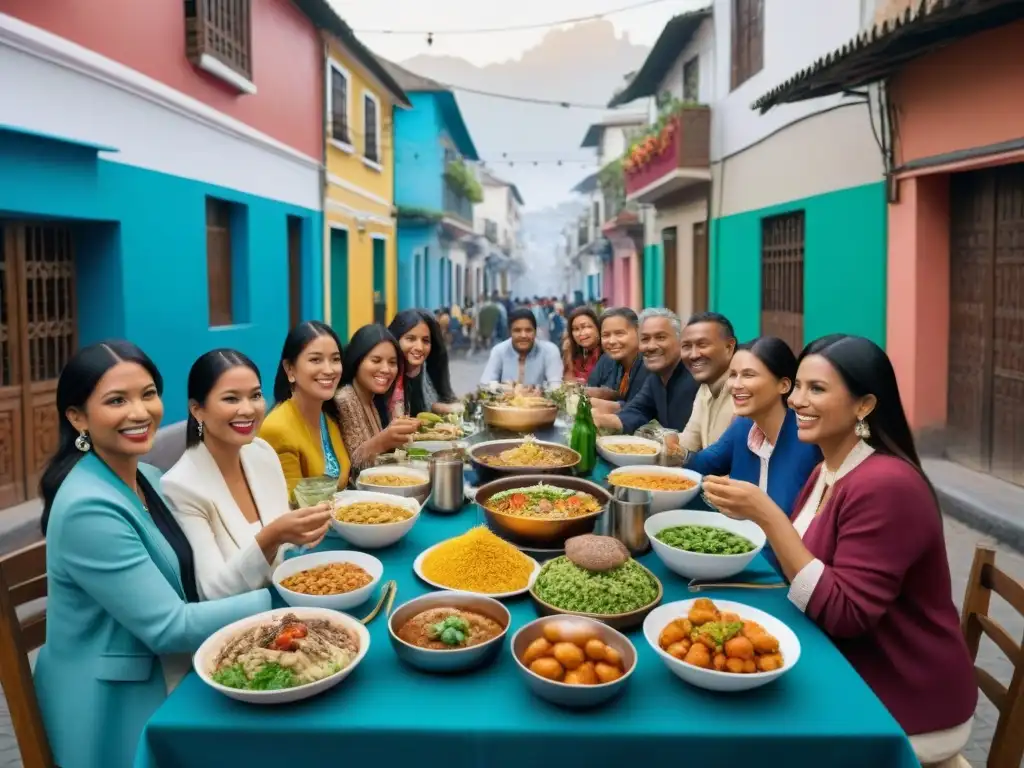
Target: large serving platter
417, 568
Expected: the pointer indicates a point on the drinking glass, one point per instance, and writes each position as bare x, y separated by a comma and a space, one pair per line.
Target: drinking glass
311, 491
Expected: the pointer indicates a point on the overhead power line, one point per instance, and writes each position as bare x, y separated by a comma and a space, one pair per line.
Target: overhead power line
526, 99
430, 33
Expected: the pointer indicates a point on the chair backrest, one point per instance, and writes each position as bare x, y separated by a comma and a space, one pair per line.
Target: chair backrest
168, 446
23, 585
1007, 748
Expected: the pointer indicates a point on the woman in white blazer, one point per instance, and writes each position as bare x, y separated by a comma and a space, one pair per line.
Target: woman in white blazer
228, 490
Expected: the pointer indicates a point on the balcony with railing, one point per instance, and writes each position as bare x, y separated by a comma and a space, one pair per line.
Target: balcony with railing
491, 230
457, 205
677, 156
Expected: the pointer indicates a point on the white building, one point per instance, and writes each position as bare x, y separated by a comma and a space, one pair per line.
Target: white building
498, 219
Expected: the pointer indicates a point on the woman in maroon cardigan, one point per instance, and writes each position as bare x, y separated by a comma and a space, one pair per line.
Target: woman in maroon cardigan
864, 551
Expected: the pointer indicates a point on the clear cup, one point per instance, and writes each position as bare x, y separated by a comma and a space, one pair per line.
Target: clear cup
672, 454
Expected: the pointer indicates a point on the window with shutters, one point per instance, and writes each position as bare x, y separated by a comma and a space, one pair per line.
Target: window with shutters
226, 262
218, 39
747, 40
782, 278
371, 129
338, 106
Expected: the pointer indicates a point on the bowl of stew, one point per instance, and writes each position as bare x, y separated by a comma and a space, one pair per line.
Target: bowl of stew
670, 487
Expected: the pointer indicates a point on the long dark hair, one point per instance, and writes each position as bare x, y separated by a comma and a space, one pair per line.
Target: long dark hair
74, 387
203, 377
364, 340
436, 364
866, 370
777, 357
576, 352
295, 342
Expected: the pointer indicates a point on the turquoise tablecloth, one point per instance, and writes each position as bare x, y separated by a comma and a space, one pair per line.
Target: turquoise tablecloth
819, 714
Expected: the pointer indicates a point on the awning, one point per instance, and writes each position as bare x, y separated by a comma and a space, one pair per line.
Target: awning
884, 49
19, 131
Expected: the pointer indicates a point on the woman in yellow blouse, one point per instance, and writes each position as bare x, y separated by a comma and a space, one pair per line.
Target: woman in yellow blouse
305, 425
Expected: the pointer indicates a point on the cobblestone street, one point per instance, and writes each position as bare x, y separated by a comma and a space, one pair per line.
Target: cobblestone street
960, 544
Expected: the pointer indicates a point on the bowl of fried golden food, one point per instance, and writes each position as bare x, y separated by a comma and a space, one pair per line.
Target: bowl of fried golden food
541, 511
373, 520
520, 411
721, 645
336, 580
573, 661
670, 487
449, 631
524, 456
395, 480
628, 451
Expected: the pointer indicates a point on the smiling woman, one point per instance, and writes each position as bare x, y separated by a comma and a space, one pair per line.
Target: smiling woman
120, 571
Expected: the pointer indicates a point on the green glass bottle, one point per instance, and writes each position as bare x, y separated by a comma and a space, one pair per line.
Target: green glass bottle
584, 437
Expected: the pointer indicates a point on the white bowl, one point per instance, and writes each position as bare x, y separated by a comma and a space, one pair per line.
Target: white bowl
433, 446
627, 459
364, 482
662, 501
711, 679
206, 655
695, 565
341, 602
373, 536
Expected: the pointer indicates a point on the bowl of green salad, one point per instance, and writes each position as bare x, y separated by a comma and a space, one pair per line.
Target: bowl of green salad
703, 545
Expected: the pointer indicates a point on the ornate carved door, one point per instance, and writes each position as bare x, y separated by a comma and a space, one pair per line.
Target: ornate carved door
782, 278
38, 333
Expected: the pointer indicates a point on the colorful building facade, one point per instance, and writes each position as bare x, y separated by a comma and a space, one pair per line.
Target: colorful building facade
434, 185
360, 251
955, 306
160, 182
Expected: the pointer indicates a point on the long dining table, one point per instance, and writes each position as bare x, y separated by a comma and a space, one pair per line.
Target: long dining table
385, 714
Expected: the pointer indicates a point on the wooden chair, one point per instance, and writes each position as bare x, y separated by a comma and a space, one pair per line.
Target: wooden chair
23, 580
1007, 748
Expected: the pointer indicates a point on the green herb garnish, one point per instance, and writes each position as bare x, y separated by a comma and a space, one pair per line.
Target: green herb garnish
270, 677
452, 631
719, 632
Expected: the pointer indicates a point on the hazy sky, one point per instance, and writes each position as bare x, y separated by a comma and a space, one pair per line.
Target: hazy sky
642, 24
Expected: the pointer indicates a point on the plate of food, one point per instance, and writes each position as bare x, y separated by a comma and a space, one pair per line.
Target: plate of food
670, 487
704, 545
478, 562
524, 456
439, 428
626, 450
284, 655
395, 480
541, 511
597, 578
721, 645
373, 520
336, 580
449, 631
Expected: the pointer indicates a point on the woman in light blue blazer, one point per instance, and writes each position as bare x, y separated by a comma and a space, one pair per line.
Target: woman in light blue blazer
123, 614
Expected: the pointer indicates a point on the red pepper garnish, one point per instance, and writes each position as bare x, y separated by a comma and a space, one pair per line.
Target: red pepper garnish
518, 499
287, 638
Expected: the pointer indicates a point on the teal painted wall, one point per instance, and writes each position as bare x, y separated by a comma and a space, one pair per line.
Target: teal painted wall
654, 275
844, 264
140, 239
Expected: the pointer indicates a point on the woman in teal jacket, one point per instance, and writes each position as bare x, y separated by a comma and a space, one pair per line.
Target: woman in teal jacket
123, 615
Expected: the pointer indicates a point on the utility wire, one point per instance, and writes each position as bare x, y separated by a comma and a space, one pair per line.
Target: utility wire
515, 28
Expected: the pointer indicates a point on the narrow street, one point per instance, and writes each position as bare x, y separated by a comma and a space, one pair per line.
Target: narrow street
960, 544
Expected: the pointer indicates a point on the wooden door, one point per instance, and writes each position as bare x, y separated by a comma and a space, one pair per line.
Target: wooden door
38, 334
294, 271
985, 401
670, 250
339, 283
782, 278
700, 267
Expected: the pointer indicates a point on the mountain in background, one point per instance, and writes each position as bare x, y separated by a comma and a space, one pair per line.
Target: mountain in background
584, 63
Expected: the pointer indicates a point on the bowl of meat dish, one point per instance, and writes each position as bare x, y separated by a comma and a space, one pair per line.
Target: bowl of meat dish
449, 631
373, 520
525, 456
541, 511
395, 480
520, 412
573, 661
670, 487
703, 545
721, 645
283, 655
628, 451
336, 580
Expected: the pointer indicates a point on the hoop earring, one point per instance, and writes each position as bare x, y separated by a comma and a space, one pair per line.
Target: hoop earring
862, 430
82, 442
199, 431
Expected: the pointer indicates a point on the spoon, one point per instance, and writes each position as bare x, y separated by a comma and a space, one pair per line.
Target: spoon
697, 586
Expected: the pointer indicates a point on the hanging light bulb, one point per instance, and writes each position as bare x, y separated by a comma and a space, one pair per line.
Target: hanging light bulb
430, 38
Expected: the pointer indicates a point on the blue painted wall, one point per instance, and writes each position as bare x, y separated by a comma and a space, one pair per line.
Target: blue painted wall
419, 257
419, 156
141, 256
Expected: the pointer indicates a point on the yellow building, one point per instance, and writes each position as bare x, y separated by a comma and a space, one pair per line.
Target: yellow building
360, 248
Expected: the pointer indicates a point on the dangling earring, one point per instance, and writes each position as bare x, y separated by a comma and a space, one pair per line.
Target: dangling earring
199, 431
862, 430
82, 442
